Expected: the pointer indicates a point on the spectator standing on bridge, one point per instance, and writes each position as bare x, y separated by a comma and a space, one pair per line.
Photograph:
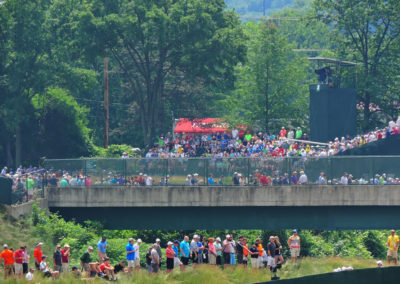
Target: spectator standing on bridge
322, 179
393, 246
184, 249
303, 178
102, 248
299, 133
293, 179
294, 245
344, 180
130, 255
210, 180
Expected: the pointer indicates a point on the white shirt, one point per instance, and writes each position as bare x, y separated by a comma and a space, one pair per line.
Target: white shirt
29, 276
234, 133
43, 266
136, 247
303, 179
344, 180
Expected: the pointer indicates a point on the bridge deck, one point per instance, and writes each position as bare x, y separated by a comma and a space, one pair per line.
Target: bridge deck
221, 196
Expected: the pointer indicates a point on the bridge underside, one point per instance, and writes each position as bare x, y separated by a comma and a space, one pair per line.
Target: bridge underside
209, 218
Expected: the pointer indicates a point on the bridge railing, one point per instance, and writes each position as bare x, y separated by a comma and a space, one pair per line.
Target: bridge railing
101, 171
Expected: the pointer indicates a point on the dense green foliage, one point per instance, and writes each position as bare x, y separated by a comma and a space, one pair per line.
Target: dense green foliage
53, 229
172, 59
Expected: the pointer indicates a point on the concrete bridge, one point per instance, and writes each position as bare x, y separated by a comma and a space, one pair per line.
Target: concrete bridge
229, 207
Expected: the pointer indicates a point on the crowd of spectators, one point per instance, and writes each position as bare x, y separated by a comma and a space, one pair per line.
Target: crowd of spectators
240, 143
178, 254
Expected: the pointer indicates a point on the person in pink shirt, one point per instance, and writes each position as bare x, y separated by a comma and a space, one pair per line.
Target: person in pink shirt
212, 252
88, 181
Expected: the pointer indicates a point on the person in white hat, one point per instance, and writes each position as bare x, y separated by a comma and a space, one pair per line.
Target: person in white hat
158, 242
194, 249
170, 254
65, 258
136, 247
218, 248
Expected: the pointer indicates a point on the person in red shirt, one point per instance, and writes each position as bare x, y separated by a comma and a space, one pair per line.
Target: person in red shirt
263, 180
65, 259
170, 254
283, 132
8, 257
37, 254
107, 269
19, 257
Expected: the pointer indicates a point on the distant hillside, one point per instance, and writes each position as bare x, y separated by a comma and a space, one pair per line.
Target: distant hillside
254, 8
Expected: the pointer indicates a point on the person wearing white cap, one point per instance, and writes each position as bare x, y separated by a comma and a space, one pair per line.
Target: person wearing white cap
65, 258
158, 242
194, 249
170, 254
227, 250
37, 254
130, 255
218, 248
136, 248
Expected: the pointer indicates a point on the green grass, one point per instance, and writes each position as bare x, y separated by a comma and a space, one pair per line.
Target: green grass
215, 275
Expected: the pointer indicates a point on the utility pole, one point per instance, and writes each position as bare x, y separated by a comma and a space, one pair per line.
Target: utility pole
264, 8
106, 108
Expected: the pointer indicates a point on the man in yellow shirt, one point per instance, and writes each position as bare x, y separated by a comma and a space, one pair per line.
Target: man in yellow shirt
393, 246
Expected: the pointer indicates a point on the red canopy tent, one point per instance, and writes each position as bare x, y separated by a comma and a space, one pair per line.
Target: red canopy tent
202, 125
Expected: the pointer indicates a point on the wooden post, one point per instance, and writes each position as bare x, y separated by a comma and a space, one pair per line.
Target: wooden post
106, 108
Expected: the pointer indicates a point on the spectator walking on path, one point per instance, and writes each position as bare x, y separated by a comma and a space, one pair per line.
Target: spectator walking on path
393, 246
294, 245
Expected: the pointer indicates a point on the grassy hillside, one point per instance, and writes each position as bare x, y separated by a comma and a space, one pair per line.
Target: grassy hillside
328, 250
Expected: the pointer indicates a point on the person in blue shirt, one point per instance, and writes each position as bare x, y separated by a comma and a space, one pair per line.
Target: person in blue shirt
130, 255
177, 262
102, 247
114, 181
185, 251
200, 249
210, 180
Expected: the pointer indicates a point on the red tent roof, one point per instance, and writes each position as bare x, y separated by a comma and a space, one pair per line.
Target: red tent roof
202, 125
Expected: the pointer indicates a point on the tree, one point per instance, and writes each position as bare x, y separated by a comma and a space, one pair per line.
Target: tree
161, 46
367, 32
22, 44
271, 85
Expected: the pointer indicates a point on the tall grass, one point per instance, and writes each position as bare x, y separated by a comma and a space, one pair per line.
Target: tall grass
214, 275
